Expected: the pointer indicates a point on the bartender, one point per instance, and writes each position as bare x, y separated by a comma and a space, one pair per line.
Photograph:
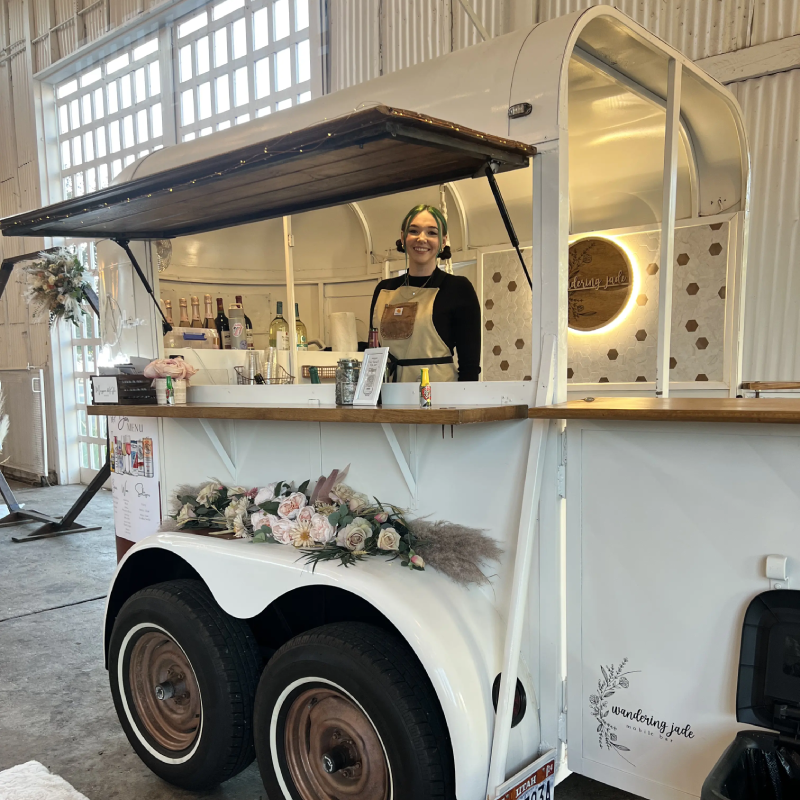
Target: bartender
427, 315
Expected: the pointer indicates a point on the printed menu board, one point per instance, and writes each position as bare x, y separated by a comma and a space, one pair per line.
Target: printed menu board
134, 480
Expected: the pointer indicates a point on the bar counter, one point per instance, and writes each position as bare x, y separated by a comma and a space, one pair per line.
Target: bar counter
409, 415
728, 409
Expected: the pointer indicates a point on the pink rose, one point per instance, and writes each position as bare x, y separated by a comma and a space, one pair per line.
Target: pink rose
418, 561
321, 530
169, 367
305, 514
381, 517
266, 494
281, 529
291, 505
258, 520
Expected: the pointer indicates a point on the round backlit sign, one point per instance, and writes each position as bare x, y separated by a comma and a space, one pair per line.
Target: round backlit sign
600, 283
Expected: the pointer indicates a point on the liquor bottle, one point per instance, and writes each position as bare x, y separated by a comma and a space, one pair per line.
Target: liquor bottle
248, 326
237, 325
279, 330
424, 388
196, 321
184, 320
223, 329
168, 311
373, 338
208, 318
300, 328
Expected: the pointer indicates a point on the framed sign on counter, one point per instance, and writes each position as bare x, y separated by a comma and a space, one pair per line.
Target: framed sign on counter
370, 378
135, 482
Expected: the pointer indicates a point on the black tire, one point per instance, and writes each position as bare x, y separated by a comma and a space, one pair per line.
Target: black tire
180, 618
379, 674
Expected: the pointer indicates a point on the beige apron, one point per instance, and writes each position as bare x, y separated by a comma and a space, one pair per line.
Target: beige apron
404, 319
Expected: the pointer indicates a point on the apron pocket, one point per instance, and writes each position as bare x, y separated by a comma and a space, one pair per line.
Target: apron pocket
398, 321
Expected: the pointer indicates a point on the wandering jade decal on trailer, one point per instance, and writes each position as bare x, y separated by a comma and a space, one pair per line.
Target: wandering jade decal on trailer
614, 679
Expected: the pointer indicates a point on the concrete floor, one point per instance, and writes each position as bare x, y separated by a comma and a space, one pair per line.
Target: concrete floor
55, 705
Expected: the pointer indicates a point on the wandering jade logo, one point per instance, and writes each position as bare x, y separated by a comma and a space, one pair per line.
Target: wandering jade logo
608, 711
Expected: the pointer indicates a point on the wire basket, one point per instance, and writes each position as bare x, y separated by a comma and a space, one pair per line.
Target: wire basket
280, 377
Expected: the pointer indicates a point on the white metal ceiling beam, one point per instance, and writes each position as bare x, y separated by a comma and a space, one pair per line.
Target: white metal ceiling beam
754, 62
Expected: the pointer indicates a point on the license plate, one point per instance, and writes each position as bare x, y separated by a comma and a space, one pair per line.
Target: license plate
536, 782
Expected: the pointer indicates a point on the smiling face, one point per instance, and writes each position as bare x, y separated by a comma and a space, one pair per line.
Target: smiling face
422, 243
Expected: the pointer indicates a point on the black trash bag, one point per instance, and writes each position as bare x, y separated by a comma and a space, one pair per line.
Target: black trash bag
755, 767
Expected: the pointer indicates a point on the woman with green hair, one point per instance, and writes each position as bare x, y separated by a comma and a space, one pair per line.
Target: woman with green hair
427, 316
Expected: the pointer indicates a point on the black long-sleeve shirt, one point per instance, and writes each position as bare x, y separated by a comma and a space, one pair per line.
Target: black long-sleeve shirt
456, 316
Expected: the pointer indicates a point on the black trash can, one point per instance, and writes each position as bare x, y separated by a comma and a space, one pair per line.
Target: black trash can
761, 765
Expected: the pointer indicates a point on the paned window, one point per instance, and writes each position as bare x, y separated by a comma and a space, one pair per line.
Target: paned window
237, 60
108, 116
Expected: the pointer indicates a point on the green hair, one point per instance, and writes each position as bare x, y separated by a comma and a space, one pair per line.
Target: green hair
441, 222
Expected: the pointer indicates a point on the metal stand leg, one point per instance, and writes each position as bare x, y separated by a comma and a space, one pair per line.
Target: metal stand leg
67, 524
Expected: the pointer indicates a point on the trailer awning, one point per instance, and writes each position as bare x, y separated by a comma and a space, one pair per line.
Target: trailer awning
368, 153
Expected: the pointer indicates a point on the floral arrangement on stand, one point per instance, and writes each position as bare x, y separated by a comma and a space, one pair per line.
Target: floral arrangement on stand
332, 522
56, 287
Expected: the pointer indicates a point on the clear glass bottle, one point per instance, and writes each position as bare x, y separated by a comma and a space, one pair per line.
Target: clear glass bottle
196, 321
279, 330
300, 328
347, 370
184, 319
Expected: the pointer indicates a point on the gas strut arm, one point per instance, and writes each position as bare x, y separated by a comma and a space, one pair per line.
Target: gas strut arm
125, 245
501, 207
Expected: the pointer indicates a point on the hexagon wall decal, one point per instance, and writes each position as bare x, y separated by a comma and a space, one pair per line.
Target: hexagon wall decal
641, 336
612, 355
497, 277
692, 289
702, 377
497, 349
715, 249
489, 304
716, 226
512, 286
673, 362
603, 380
652, 269
683, 259
702, 343
641, 379
692, 325
489, 325
570, 373
504, 365
722, 292
641, 300
519, 344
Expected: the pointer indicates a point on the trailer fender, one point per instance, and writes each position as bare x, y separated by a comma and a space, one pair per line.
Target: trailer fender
455, 632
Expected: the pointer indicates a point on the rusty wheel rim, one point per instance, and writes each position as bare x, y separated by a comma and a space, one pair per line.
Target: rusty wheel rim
325, 729
164, 691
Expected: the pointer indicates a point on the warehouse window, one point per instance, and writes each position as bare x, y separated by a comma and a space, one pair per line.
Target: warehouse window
238, 60
108, 116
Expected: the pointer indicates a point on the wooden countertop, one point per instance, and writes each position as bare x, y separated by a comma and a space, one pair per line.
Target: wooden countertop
675, 410
410, 415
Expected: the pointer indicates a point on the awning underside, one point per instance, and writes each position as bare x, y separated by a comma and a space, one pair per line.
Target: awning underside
368, 153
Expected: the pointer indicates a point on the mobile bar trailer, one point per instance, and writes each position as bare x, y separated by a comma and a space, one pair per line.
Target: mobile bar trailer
607, 639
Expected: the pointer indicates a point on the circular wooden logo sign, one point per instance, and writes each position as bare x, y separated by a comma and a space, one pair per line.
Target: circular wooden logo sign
600, 283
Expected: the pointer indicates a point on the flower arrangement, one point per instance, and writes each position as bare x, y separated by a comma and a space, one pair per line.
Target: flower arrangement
56, 287
332, 522
175, 368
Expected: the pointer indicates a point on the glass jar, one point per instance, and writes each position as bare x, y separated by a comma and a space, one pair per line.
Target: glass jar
346, 380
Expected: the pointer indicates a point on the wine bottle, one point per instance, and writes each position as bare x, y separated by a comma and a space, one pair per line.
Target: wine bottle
184, 320
247, 324
223, 329
168, 311
279, 330
300, 328
208, 319
196, 321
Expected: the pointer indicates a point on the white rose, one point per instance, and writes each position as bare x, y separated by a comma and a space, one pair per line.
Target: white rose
388, 539
266, 494
354, 535
237, 508
258, 519
343, 492
236, 490
290, 506
281, 529
358, 501
208, 494
185, 514
321, 530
